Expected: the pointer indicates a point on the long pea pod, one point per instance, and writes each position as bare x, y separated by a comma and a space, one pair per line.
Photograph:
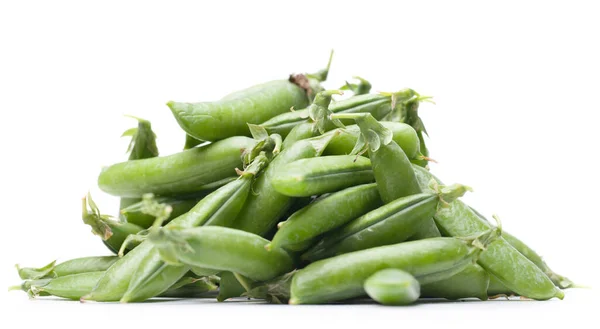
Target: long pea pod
393, 287
112, 232
211, 121
265, 206
186, 172
72, 266
316, 176
391, 167
429, 260
391, 223
222, 249
500, 259
141, 274
141, 146
473, 281
341, 207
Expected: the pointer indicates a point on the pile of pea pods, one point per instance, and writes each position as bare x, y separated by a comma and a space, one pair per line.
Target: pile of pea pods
290, 193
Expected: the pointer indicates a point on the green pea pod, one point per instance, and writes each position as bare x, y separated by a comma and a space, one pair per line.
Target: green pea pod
131, 278
376, 104
362, 87
403, 134
72, 266
429, 260
393, 287
391, 167
471, 282
142, 146
301, 228
71, 286
191, 142
500, 259
316, 176
229, 287
35, 273
180, 173
265, 206
190, 287
112, 232
222, 248
498, 289
389, 224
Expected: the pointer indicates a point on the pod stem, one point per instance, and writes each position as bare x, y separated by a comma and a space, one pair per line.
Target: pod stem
319, 111
143, 140
91, 216
482, 240
270, 144
320, 143
32, 273
169, 242
373, 134
274, 291
322, 74
448, 193
362, 87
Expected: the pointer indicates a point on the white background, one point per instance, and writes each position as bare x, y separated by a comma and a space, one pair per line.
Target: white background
516, 86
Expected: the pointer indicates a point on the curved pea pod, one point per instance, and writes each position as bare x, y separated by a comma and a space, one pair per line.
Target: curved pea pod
71, 286
224, 249
141, 274
302, 227
403, 134
180, 173
72, 266
473, 281
265, 206
393, 287
500, 259
389, 224
113, 233
316, 176
429, 260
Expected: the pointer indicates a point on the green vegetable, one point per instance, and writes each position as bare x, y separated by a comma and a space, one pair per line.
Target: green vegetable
393, 287
471, 282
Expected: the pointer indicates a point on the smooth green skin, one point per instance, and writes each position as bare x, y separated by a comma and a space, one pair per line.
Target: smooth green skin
229, 287
265, 206
211, 121
391, 223
471, 282
325, 214
283, 124
393, 287
197, 289
320, 175
500, 259
69, 286
191, 142
85, 264
301, 131
497, 289
342, 277
120, 232
180, 173
222, 203
133, 213
227, 249
404, 135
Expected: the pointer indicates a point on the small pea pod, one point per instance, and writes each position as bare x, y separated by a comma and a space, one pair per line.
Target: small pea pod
429, 260
221, 248
71, 286
316, 176
389, 224
393, 287
211, 121
112, 232
471, 282
500, 259
391, 167
361, 87
180, 173
265, 206
403, 134
72, 266
302, 227
121, 283
141, 146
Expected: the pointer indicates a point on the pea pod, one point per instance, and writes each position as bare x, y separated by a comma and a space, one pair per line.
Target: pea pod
229, 287
342, 277
500, 259
265, 206
112, 232
134, 214
393, 287
223, 249
403, 134
316, 176
180, 173
389, 224
306, 224
72, 266
142, 146
191, 287
473, 281
141, 274
391, 167
497, 288
362, 87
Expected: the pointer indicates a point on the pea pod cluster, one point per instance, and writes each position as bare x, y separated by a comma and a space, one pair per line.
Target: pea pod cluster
289, 192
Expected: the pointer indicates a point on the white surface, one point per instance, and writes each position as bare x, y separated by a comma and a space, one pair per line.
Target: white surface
516, 87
